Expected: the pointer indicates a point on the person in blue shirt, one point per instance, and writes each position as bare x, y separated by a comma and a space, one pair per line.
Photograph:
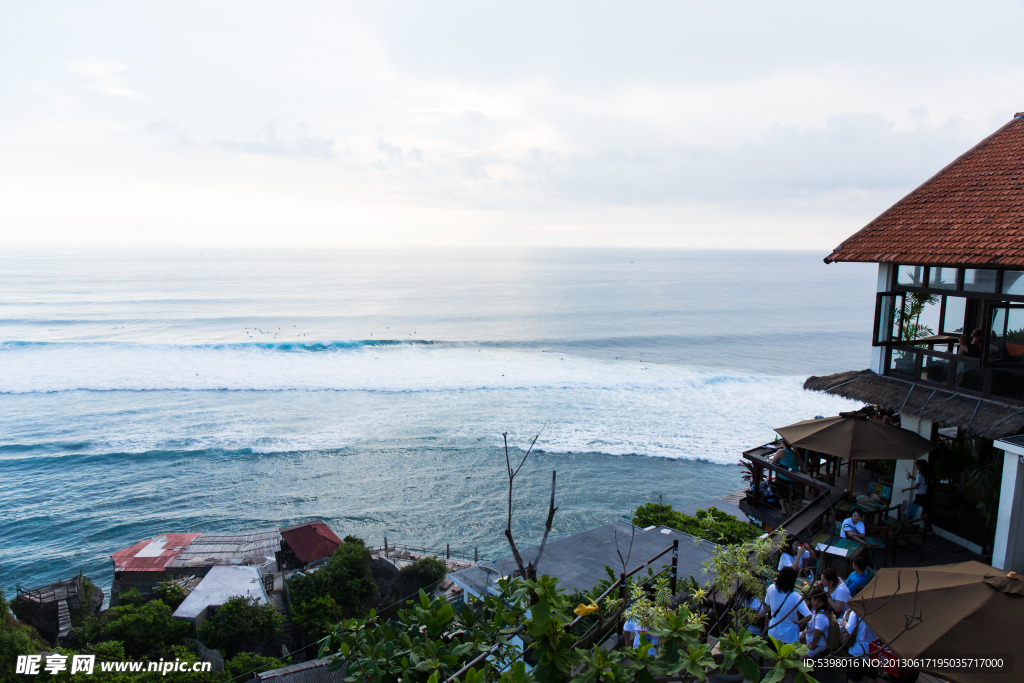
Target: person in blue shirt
788, 458
858, 578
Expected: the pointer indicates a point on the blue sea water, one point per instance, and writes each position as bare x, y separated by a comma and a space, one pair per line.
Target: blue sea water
147, 392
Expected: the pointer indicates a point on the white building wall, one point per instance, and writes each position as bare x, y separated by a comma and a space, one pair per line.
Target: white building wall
1008, 548
885, 275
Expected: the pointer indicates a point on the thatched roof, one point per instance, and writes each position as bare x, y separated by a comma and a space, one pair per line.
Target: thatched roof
977, 416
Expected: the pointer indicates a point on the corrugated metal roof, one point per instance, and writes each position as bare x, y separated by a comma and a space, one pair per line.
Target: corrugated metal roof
313, 671
256, 547
152, 555
969, 213
311, 541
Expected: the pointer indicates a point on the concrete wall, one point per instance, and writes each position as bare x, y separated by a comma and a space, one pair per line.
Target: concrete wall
1008, 549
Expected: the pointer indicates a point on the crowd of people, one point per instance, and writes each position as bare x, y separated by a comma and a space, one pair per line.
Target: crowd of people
820, 617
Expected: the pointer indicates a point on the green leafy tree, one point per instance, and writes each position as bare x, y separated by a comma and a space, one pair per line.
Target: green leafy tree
243, 624
316, 617
345, 579
15, 639
245, 664
424, 573
131, 598
143, 628
171, 594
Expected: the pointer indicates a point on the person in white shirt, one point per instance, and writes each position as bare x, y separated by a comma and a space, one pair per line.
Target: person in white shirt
857, 637
815, 636
853, 526
785, 607
838, 593
795, 555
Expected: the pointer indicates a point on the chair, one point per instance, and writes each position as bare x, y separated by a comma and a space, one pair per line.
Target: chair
909, 528
876, 537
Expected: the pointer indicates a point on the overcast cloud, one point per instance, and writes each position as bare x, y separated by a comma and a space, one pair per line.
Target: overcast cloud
582, 124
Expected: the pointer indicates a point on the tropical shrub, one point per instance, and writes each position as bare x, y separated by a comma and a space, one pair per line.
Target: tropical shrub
711, 524
243, 624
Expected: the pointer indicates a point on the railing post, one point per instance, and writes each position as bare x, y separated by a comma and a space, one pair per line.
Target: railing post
448, 551
675, 565
622, 596
476, 558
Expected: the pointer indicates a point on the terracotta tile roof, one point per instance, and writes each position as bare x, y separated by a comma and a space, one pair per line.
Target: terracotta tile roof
971, 212
311, 541
153, 554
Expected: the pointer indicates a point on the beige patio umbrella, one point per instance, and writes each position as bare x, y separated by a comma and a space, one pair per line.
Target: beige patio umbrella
955, 610
854, 437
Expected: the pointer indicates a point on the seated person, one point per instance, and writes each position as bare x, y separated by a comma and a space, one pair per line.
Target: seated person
833, 586
853, 526
795, 555
858, 578
815, 636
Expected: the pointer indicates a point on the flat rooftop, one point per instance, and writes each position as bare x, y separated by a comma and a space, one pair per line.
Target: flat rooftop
579, 560
222, 583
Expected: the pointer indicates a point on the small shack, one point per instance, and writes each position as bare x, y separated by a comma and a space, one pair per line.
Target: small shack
220, 584
173, 556
304, 543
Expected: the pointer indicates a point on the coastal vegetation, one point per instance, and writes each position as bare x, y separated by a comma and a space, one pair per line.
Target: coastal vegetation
242, 624
711, 524
15, 639
430, 640
320, 598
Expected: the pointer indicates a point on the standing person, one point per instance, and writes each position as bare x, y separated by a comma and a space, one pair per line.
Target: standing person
815, 636
833, 586
788, 458
922, 488
784, 607
857, 636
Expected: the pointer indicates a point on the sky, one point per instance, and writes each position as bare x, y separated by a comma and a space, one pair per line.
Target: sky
581, 124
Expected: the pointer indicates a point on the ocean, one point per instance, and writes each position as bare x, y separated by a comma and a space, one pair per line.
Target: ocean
156, 391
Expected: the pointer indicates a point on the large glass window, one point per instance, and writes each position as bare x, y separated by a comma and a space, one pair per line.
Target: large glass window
979, 280
935, 369
1008, 384
910, 276
902, 363
1006, 335
942, 278
920, 316
1013, 282
956, 311
886, 325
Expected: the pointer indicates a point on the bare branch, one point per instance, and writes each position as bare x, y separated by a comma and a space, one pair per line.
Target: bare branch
526, 571
630, 551
547, 525
528, 450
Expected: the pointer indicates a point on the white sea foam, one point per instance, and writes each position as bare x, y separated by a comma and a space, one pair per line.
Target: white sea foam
411, 392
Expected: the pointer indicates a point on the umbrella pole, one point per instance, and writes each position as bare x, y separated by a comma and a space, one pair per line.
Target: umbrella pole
850, 466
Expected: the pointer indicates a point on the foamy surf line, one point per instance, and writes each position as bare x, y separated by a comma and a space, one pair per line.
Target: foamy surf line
383, 366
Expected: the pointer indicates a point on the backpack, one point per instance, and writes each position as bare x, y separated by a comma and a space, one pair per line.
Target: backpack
833, 632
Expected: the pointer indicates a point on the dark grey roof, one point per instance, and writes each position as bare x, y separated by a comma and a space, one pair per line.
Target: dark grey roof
983, 417
579, 560
313, 671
